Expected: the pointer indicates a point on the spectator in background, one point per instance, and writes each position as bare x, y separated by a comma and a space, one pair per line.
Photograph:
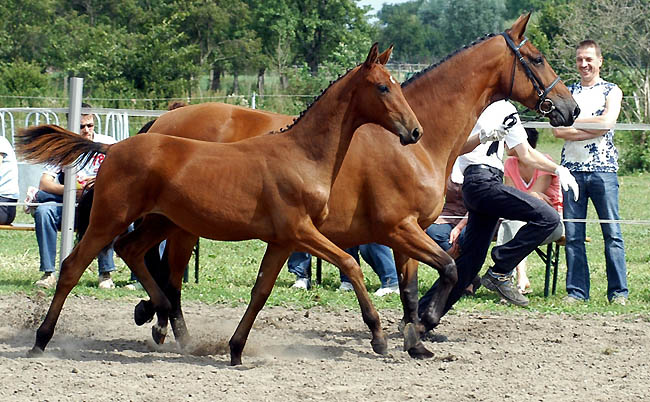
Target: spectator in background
539, 184
591, 156
47, 217
8, 181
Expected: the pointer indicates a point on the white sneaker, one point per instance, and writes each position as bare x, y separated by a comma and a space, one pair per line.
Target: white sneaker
302, 283
105, 282
381, 292
31, 194
134, 286
47, 281
345, 286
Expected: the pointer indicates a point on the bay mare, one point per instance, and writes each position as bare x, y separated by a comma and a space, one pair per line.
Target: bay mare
386, 193
273, 187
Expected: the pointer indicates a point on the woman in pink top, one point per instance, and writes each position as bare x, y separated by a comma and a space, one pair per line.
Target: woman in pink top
541, 184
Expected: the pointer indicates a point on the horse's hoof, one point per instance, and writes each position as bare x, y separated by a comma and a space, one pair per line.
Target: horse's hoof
411, 336
35, 352
420, 352
158, 334
235, 361
143, 312
380, 345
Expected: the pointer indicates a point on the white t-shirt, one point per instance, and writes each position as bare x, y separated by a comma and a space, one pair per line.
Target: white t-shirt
491, 118
90, 170
8, 170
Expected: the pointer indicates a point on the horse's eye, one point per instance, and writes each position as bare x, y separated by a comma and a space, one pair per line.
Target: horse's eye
538, 60
382, 88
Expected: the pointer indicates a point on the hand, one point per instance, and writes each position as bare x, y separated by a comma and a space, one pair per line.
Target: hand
567, 181
498, 134
453, 235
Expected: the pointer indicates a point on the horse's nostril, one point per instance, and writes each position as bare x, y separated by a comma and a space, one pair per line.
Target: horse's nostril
416, 134
576, 112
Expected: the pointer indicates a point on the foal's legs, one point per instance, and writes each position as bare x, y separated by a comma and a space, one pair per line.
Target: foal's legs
315, 243
272, 263
71, 270
131, 247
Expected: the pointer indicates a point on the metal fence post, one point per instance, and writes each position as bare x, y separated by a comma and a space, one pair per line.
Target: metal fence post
70, 184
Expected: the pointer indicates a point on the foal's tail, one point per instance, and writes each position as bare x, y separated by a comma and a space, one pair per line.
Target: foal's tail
53, 145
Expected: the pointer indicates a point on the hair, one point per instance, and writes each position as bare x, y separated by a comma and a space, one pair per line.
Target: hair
590, 43
175, 105
533, 136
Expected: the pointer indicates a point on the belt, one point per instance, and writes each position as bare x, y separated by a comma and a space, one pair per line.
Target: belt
483, 166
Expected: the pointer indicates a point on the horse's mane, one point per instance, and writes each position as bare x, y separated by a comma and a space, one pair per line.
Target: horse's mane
449, 56
296, 120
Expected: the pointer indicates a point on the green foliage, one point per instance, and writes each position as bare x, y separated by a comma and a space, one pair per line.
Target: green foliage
23, 78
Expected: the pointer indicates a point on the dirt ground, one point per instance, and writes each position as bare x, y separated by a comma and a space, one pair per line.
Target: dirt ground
97, 353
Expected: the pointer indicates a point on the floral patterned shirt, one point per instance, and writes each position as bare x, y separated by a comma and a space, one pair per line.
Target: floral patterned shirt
597, 154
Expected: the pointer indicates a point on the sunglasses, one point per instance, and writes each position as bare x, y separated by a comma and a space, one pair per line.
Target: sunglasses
89, 125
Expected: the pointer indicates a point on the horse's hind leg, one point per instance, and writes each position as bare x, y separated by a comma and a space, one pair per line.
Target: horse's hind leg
71, 270
131, 247
272, 263
180, 245
317, 244
409, 240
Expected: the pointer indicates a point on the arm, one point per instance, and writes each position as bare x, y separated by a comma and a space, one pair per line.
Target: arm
608, 119
455, 232
48, 183
538, 188
471, 143
533, 157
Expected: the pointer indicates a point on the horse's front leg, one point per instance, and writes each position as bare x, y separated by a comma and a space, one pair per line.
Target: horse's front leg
317, 244
408, 239
272, 263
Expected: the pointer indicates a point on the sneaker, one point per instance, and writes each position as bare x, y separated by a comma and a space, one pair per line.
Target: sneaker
505, 286
345, 286
302, 283
47, 281
31, 195
381, 292
620, 300
571, 300
105, 282
134, 286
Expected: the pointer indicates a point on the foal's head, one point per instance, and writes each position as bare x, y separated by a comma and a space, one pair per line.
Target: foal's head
378, 97
532, 81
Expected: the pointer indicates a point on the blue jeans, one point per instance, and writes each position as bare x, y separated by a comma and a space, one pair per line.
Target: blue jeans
602, 188
378, 256
440, 232
47, 220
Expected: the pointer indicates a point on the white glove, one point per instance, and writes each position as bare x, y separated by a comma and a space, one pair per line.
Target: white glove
498, 134
567, 181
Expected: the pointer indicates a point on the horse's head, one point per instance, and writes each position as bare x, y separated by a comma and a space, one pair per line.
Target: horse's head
379, 98
532, 81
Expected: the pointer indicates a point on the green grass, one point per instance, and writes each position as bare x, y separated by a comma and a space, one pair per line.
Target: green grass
228, 271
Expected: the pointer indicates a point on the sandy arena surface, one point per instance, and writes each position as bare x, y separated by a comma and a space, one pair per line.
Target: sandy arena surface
99, 354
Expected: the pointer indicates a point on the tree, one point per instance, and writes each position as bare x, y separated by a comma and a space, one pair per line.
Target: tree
400, 25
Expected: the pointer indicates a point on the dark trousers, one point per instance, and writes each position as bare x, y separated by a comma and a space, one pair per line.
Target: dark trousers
7, 213
487, 199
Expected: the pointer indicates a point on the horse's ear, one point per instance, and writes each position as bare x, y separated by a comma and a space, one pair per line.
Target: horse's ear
383, 58
519, 27
372, 56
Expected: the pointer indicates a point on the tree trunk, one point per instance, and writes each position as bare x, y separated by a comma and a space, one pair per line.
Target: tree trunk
215, 79
260, 81
284, 81
235, 82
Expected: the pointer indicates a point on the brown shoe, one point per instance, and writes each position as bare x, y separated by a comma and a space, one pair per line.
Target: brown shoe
47, 281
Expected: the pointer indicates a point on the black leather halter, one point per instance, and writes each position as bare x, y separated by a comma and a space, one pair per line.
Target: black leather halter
544, 105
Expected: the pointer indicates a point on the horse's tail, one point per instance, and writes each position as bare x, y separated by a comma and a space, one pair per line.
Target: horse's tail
82, 213
53, 145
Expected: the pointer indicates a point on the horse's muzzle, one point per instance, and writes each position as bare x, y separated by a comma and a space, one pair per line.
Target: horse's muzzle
412, 137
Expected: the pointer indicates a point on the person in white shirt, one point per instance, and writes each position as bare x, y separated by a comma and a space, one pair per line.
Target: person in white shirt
487, 199
47, 218
8, 181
